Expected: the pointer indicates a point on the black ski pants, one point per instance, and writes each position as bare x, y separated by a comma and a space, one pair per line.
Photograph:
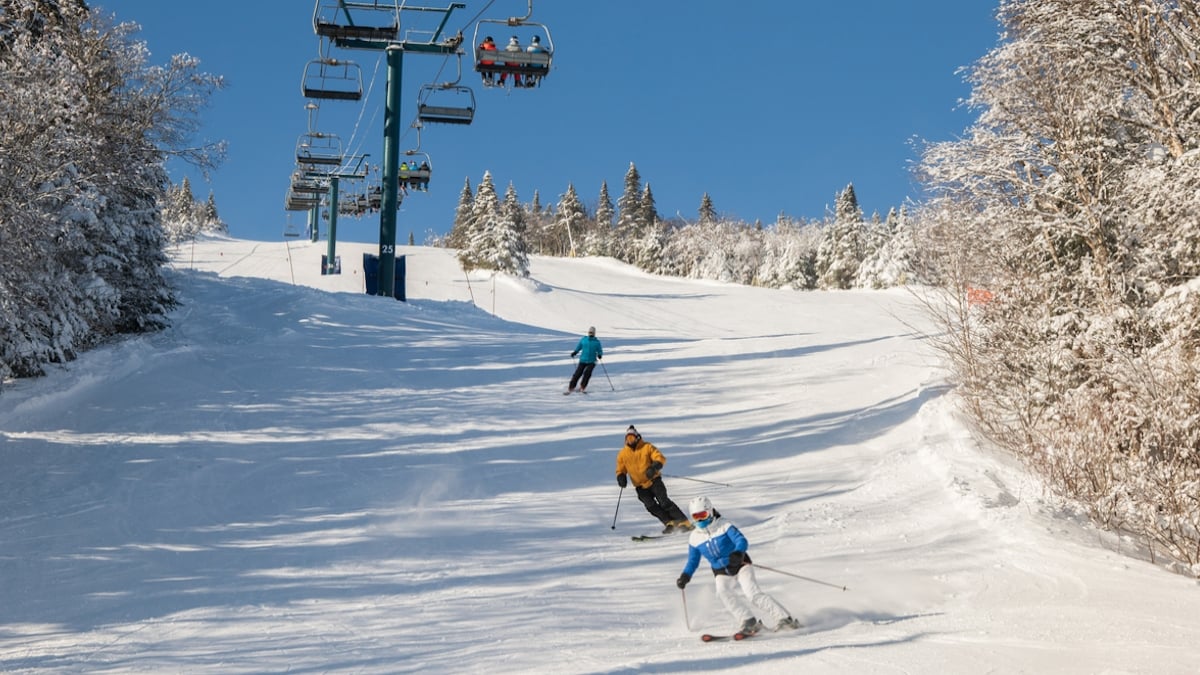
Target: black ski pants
584, 371
656, 501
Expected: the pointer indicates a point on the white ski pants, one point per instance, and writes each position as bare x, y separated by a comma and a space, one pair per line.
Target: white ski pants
741, 604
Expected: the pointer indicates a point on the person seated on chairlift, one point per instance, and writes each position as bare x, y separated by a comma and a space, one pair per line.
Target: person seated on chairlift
535, 47
488, 45
514, 45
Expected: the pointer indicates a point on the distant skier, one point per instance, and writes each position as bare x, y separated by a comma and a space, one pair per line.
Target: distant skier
725, 548
589, 351
641, 460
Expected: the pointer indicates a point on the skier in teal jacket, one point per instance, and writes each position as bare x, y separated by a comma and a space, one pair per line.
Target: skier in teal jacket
589, 351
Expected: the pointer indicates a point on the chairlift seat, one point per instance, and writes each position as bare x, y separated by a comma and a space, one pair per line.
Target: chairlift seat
347, 32
440, 114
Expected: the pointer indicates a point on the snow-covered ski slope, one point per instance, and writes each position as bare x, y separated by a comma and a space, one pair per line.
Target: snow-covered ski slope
298, 477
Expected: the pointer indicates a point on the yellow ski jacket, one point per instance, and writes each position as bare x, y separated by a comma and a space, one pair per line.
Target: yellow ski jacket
634, 461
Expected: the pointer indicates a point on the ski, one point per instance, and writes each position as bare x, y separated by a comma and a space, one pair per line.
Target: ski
647, 537
721, 638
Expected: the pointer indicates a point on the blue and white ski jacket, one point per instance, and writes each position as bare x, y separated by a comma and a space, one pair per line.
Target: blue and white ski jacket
715, 543
589, 349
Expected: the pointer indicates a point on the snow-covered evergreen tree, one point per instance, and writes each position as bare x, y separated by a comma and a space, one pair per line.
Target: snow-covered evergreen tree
571, 219
843, 247
212, 220
515, 211
629, 215
893, 257
650, 236
707, 212
460, 230
604, 208
86, 124
494, 242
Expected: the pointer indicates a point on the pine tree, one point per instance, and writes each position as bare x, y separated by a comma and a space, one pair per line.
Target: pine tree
571, 218
629, 215
460, 231
708, 213
212, 221
604, 209
515, 212
494, 241
843, 245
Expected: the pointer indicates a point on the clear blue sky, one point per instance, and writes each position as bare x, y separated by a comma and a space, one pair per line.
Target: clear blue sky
769, 107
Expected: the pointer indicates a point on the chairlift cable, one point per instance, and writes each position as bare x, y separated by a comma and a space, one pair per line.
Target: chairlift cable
362, 109
478, 14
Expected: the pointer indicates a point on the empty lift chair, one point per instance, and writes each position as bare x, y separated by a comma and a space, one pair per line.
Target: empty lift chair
319, 149
332, 19
332, 79
445, 104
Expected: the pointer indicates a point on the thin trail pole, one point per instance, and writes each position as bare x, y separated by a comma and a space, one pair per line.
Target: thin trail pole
687, 621
815, 581
619, 494
610, 384
697, 480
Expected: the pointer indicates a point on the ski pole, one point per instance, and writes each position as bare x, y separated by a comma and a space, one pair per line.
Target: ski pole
815, 581
697, 480
686, 620
614, 525
610, 384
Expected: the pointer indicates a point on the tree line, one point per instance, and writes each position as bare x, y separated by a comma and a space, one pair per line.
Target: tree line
844, 250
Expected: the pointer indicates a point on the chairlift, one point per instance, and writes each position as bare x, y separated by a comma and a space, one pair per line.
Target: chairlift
316, 148
349, 205
305, 185
525, 68
334, 79
300, 202
445, 104
414, 175
331, 19
290, 229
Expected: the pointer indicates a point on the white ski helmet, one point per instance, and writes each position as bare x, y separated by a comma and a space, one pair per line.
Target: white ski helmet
700, 505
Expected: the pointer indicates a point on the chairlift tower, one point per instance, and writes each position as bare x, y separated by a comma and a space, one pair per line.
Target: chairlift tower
345, 24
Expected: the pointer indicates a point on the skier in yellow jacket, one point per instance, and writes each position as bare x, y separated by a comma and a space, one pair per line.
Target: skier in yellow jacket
643, 462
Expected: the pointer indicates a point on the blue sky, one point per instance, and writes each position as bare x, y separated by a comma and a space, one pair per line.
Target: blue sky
772, 108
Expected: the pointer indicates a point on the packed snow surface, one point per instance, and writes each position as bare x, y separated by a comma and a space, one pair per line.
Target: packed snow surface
299, 477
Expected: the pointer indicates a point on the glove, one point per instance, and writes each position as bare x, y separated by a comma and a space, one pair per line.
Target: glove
736, 560
622, 480
683, 580
599, 357
573, 354
653, 469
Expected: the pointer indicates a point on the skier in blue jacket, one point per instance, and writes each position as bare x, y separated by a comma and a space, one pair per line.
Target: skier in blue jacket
590, 351
724, 547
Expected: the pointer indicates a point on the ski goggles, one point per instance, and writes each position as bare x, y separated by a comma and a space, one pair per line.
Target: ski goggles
700, 515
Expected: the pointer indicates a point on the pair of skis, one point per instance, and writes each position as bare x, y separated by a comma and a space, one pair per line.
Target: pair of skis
721, 638
739, 635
